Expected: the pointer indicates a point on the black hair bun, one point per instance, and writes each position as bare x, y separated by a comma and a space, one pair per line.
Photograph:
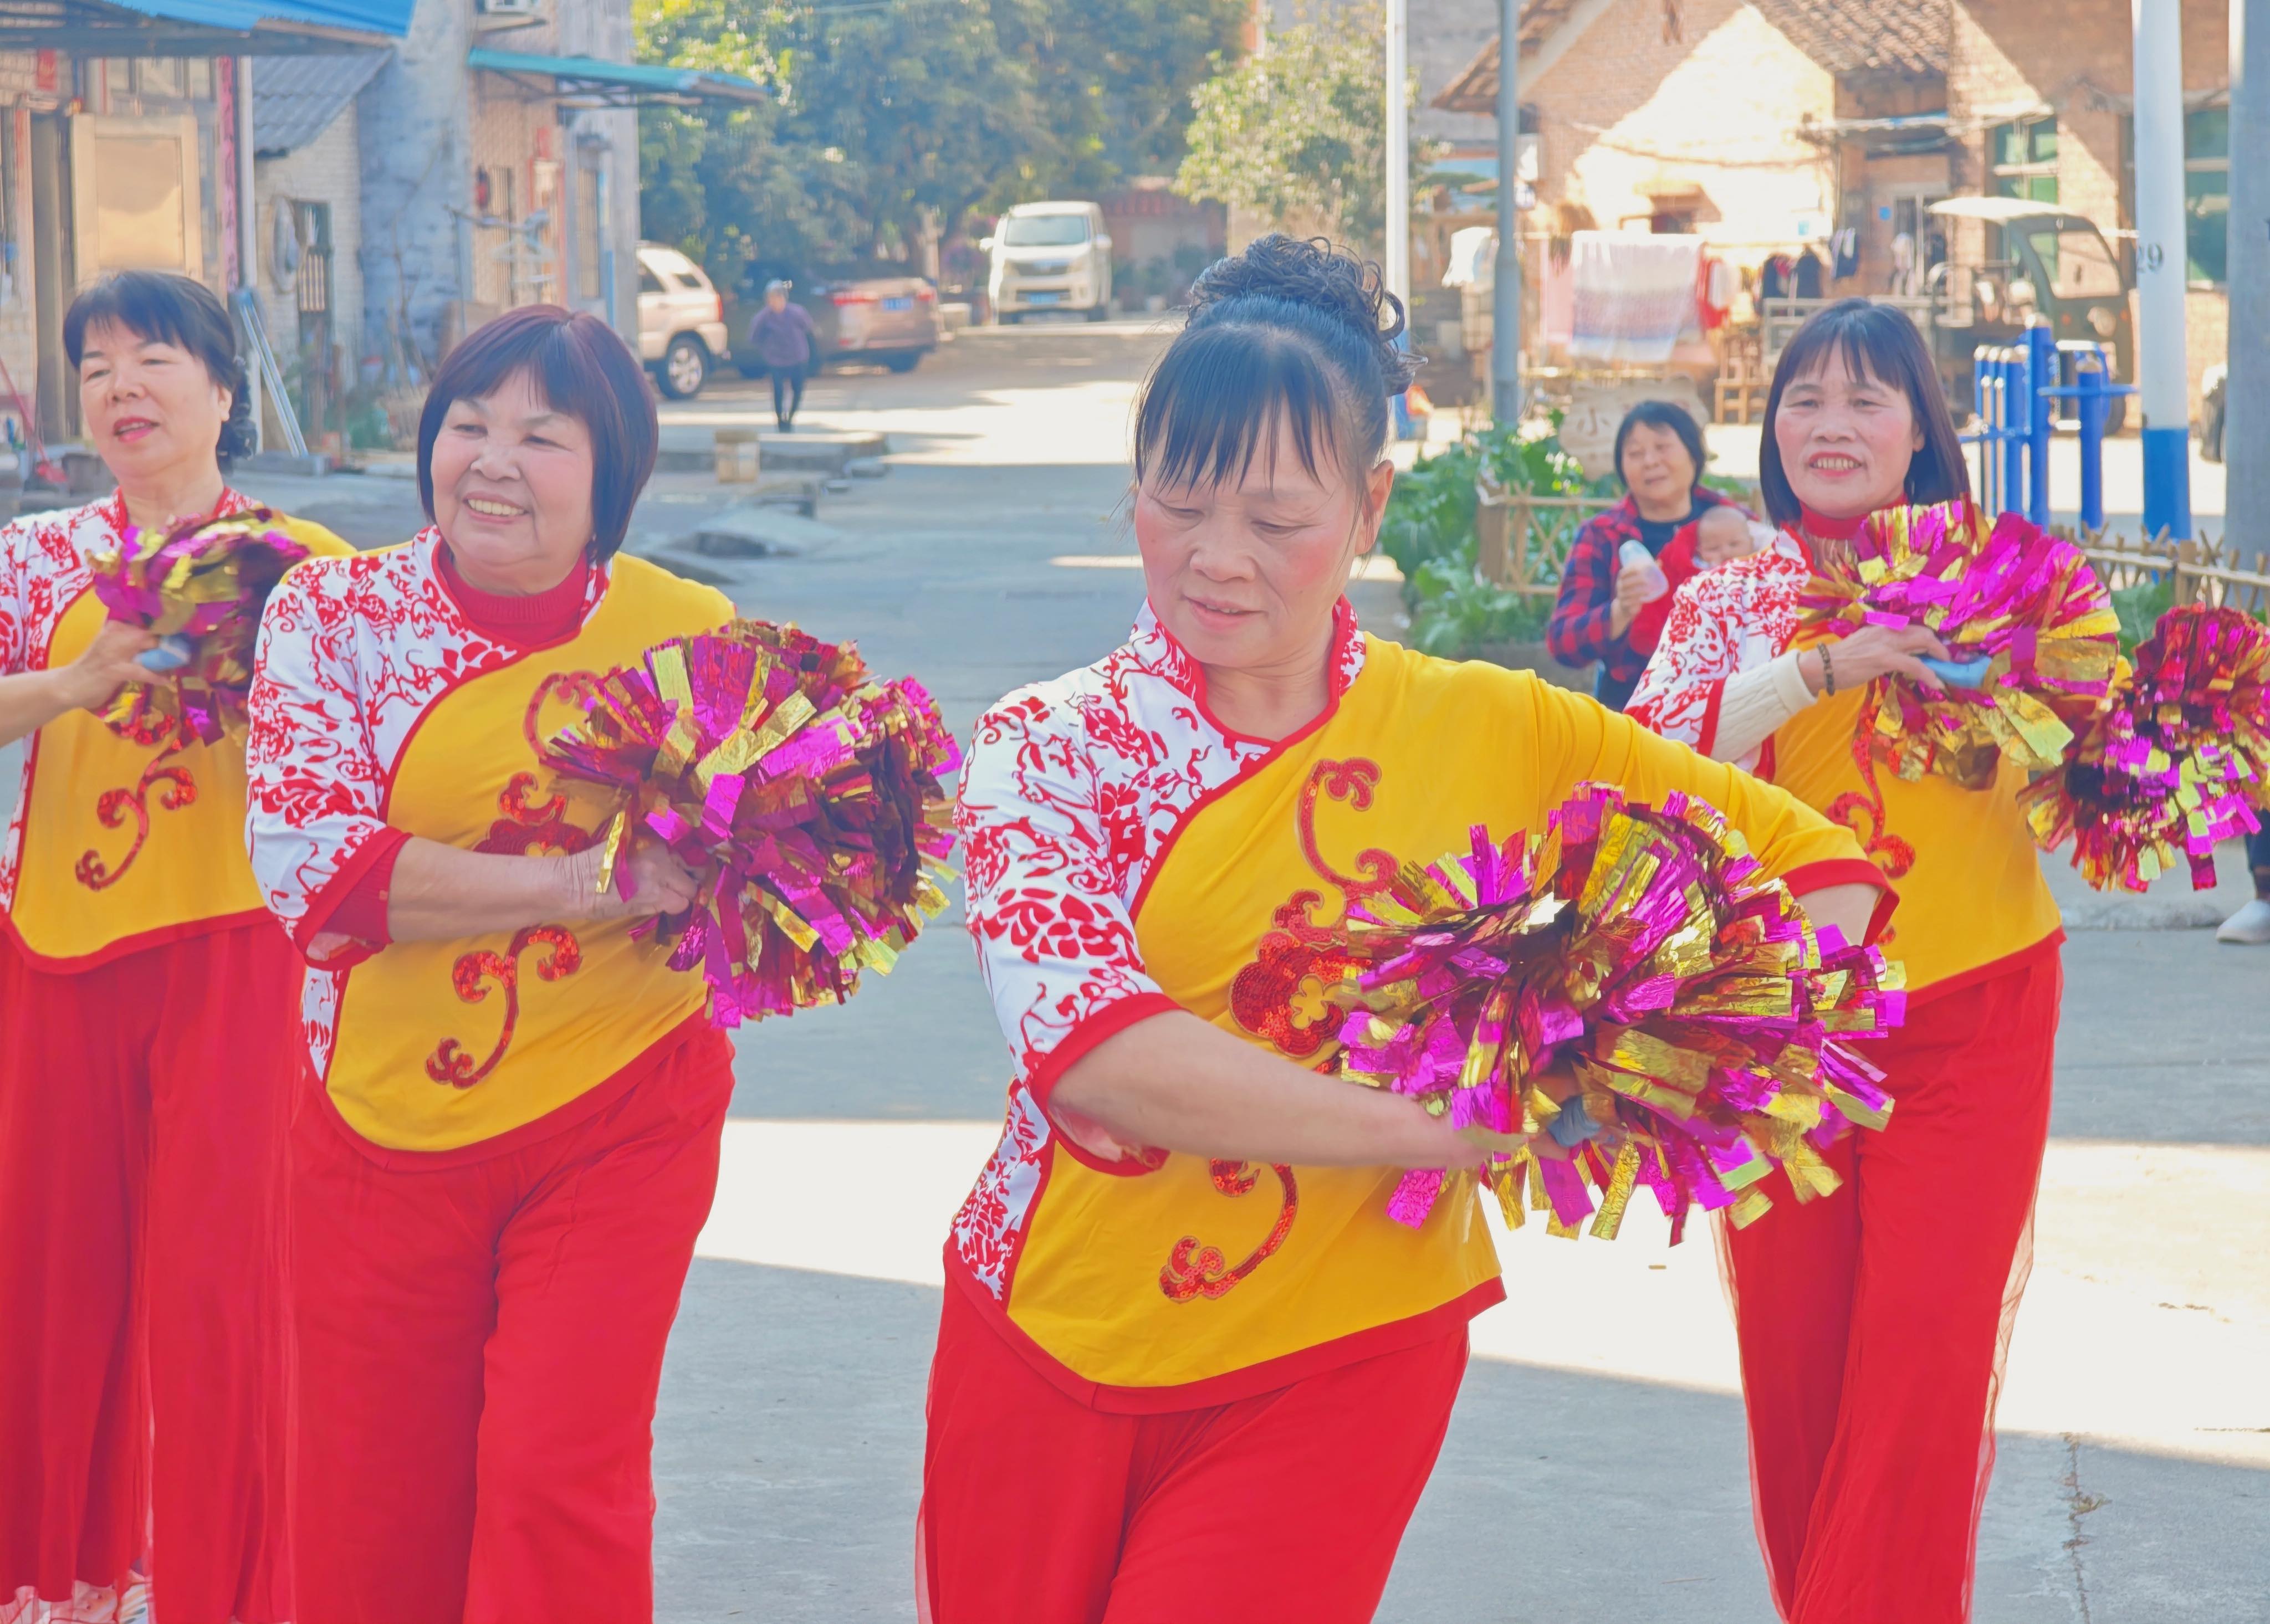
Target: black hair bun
1330, 280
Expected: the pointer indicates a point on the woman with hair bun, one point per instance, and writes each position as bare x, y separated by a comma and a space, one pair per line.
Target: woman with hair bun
149, 1013
1188, 1366
1873, 1326
508, 1132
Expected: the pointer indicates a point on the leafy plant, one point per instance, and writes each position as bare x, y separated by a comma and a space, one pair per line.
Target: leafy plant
1428, 532
2140, 608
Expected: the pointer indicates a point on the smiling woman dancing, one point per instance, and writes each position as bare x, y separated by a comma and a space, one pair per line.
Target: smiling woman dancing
1187, 1365
148, 1030
509, 1135
1872, 1325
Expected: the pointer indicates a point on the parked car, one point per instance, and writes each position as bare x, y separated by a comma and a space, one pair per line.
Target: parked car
681, 321
1049, 256
865, 313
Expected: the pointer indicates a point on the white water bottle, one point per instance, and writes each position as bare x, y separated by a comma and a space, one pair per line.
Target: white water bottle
1634, 555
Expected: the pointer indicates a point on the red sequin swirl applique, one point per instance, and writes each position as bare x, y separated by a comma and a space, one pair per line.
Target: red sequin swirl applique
176, 789
1351, 781
573, 688
1865, 814
541, 830
1195, 1270
471, 975
1283, 994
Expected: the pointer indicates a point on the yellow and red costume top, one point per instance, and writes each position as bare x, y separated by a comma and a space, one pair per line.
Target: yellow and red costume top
118, 841
380, 712
1974, 902
1128, 854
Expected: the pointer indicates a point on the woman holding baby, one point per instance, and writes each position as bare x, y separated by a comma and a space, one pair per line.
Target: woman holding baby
1612, 600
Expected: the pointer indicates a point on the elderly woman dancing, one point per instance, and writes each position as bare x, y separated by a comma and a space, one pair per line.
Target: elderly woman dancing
1175, 1287
148, 1035
509, 1135
1873, 1328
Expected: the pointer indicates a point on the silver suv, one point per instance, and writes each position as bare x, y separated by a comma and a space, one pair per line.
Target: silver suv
681, 321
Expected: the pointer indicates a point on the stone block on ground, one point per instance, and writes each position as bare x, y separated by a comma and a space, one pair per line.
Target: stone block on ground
754, 532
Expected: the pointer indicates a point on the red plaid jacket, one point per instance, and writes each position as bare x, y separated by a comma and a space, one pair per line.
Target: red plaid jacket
1578, 635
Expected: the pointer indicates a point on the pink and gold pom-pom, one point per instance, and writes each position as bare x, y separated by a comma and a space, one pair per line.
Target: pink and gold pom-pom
2176, 759
802, 791
2030, 634
1643, 955
203, 583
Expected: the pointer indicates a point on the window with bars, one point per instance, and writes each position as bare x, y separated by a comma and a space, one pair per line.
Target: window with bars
2206, 191
2021, 158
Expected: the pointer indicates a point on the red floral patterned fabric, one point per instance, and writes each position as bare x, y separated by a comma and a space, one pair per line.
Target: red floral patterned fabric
1072, 791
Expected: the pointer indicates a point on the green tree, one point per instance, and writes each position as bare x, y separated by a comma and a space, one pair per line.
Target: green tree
890, 117
1297, 134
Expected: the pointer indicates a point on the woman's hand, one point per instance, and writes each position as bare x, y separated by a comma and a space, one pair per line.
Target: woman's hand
1631, 598
89, 682
1872, 652
648, 879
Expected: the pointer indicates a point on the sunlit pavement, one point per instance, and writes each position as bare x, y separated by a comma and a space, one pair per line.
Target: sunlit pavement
1595, 1467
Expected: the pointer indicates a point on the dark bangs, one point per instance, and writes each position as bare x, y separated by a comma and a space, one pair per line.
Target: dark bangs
580, 367
1217, 398
160, 306
1877, 342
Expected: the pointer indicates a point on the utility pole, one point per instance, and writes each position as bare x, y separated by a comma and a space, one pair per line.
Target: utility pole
2163, 372
1398, 153
1505, 304
2246, 389
248, 234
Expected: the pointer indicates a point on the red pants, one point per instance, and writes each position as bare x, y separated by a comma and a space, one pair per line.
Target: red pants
1289, 1505
1899, 1291
144, 1105
480, 1342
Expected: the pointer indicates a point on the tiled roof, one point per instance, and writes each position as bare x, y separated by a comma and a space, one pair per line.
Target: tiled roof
1844, 36
1866, 36
294, 99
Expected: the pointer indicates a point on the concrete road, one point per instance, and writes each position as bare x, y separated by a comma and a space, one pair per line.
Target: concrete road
1601, 1422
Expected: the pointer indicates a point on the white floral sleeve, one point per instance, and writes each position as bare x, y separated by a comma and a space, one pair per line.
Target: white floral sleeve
1733, 618
1046, 878
315, 782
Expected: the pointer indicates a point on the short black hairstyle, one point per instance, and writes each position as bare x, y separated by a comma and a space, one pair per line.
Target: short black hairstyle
581, 368
1661, 414
1879, 342
1298, 331
163, 306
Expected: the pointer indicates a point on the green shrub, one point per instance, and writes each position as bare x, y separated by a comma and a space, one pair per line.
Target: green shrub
2140, 608
1428, 532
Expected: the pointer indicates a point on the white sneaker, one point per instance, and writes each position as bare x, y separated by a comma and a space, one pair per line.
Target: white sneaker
2248, 927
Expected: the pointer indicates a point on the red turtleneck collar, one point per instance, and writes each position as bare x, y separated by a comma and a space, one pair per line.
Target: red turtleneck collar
524, 620
1827, 528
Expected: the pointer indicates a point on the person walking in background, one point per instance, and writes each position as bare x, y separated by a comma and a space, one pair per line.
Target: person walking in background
149, 1038
1658, 456
1873, 1326
783, 336
2250, 926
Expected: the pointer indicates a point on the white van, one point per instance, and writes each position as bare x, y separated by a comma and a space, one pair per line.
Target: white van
682, 335
1049, 256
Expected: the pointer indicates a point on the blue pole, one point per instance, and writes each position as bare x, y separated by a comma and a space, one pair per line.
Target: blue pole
2042, 363
1982, 412
2015, 388
2090, 402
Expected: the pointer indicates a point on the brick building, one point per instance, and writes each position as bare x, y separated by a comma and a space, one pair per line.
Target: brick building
1768, 125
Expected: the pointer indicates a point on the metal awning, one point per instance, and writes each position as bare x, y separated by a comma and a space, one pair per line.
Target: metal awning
586, 81
200, 27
